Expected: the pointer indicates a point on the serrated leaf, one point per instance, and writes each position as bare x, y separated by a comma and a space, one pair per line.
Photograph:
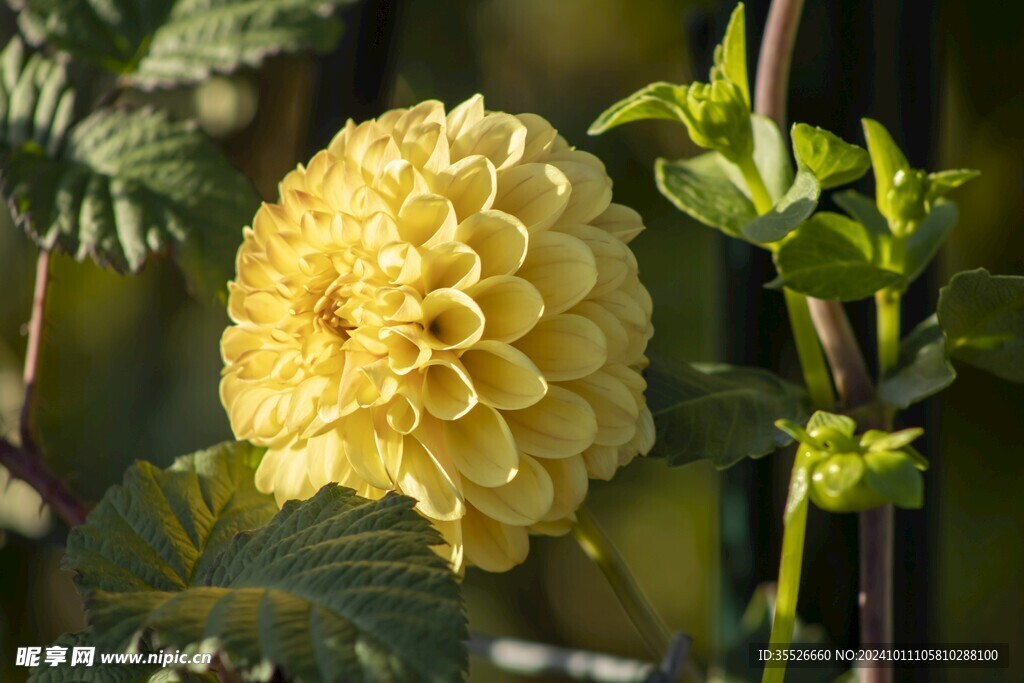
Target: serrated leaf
128, 184
894, 477
983, 318
886, 159
833, 257
36, 101
833, 161
170, 525
863, 210
655, 101
701, 188
97, 672
732, 57
160, 43
793, 209
924, 243
922, 369
719, 413
335, 588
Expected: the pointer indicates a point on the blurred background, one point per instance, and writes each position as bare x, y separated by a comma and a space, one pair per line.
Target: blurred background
131, 366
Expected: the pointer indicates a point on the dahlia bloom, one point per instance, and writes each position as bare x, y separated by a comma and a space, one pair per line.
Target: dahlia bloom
443, 306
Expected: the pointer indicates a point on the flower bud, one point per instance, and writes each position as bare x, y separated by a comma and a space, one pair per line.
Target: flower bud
718, 118
907, 200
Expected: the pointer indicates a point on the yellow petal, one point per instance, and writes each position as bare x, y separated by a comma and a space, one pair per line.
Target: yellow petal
377, 230
421, 476
565, 347
521, 502
397, 180
451, 319
450, 264
452, 549
469, 184
426, 218
407, 348
560, 425
448, 391
504, 377
620, 221
401, 263
591, 191
570, 483
464, 116
610, 254
601, 461
616, 338
561, 267
482, 447
359, 443
511, 306
536, 194
499, 238
398, 304
616, 409
264, 308
426, 147
539, 138
408, 122
491, 545
499, 137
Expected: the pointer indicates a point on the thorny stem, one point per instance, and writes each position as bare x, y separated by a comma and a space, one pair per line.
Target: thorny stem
26, 461
840, 346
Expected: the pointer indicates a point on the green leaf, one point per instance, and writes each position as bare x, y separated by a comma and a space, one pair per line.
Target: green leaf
942, 182
832, 161
894, 477
833, 257
983, 318
863, 210
128, 184
771, 156
731, 56
922, 369
719, 413
701, 188
655, 101
336, 588
825, 420
36, 101
886, 159
897, 440
160, 43
793, 209
924, 243
97, 673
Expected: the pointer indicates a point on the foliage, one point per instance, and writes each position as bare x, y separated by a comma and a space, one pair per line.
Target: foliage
334, 588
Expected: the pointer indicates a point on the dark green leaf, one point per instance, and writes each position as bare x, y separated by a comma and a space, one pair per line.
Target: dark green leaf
863, 210
983, 318
655, 101
128, 184
886, 158
924, 243
832, 161
336, 588
158, 43
793, 209
833, 257
701, 188
922, 370
97, 673
36, 101
719, 413
894, 477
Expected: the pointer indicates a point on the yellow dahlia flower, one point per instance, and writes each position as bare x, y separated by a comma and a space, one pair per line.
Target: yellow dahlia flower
444, 306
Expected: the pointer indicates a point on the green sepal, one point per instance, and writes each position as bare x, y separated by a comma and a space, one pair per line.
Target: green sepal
833, 161
655, 101
941, 182
893, 476
832, 257
982, 316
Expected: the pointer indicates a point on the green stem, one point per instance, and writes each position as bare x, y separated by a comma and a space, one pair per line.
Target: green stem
887, 302
790, 565
599, 548
812, 360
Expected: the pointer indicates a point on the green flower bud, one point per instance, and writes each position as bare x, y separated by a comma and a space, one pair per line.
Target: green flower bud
907, 200
847, 473
718, 117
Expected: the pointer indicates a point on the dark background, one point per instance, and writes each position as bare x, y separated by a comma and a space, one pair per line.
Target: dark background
131, 365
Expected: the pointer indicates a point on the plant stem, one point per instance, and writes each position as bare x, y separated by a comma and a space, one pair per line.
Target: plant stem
25, 464
887, 302
33, 349
790, 565
812, 362
599, 548
775, 58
